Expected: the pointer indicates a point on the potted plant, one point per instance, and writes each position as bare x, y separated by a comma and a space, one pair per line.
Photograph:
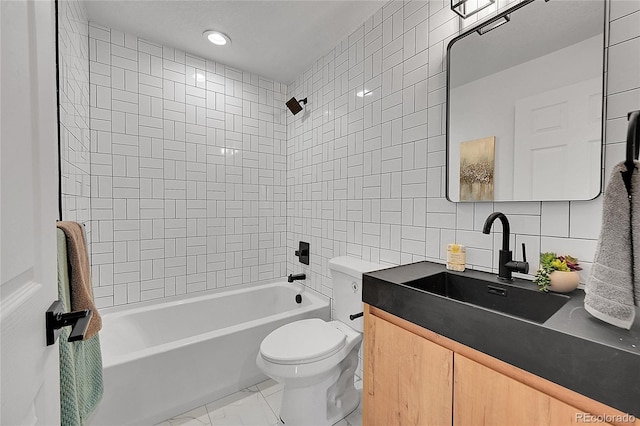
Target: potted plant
557, 273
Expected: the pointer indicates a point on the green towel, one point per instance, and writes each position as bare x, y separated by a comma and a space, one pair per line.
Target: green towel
80, 362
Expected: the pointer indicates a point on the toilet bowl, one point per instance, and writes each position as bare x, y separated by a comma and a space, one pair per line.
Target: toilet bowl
316, 360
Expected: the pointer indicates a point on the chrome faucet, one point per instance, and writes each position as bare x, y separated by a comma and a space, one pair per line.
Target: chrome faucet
296, 277
506, 265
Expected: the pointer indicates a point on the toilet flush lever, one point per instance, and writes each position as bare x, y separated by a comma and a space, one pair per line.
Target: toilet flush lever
355, 316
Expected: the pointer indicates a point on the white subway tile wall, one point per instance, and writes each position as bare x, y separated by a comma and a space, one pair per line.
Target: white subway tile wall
73, 59
366, 160
199, 177
188, 172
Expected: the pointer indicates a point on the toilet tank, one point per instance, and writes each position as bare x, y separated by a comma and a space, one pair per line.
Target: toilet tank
346, 277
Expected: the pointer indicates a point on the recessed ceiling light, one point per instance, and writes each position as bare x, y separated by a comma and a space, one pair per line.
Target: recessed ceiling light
216, 37
364, 93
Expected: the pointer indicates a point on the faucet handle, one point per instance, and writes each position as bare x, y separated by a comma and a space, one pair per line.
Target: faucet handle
519, 266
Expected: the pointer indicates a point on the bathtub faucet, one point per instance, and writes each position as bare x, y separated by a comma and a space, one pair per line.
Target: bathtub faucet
296, 277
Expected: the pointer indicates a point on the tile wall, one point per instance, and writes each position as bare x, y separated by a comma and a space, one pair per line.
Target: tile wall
366, 175
188, 172
73, 58
199, 178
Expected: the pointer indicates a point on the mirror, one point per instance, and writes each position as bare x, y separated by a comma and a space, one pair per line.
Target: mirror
524, 104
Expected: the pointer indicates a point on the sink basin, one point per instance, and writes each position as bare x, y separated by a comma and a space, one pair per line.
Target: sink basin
527, 303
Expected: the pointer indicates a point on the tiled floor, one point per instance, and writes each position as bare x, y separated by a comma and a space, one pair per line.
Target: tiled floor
255, 406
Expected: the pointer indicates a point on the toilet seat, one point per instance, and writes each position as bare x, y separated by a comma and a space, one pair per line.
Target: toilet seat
302, 342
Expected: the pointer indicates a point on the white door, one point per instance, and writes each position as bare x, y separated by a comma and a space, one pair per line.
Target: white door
557, 143
29, 371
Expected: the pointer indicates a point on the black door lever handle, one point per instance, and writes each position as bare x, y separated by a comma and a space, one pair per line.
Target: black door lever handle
56, 318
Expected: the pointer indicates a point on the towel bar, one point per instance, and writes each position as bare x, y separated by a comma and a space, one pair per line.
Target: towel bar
56, 318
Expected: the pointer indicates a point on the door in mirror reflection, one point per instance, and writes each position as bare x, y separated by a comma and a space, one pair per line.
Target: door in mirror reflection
533, 84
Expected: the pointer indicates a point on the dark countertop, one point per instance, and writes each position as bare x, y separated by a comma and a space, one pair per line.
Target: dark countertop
571, 348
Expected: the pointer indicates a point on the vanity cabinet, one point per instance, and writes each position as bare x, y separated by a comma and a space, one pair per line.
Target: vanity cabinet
413, 376
399, 387
483, 396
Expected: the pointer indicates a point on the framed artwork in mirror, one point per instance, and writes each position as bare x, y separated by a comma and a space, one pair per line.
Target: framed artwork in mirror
477, 162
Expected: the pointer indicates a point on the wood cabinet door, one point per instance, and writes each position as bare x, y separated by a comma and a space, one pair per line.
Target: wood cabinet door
407, 379
483, 396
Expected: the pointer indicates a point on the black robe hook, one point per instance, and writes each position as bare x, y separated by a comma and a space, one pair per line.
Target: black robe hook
633, 147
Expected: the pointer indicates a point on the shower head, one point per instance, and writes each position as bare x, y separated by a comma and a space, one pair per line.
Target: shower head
294, 105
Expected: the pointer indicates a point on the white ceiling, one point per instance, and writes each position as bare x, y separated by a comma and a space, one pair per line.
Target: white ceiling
274, 39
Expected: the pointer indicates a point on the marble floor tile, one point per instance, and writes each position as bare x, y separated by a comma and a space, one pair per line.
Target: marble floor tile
275, 400
257, 405
269, 387
196, 417
242, 408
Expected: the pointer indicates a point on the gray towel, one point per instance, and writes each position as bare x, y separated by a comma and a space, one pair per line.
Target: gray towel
635, 230
610, 287
611, 293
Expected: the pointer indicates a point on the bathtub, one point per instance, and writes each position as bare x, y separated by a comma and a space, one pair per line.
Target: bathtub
166, 358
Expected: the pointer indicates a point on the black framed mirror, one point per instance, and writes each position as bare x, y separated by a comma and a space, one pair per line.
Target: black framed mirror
525, 104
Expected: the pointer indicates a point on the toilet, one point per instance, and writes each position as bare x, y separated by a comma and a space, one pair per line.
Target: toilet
315, 359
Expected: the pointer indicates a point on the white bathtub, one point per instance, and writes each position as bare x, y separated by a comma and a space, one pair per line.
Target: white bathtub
166, 358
